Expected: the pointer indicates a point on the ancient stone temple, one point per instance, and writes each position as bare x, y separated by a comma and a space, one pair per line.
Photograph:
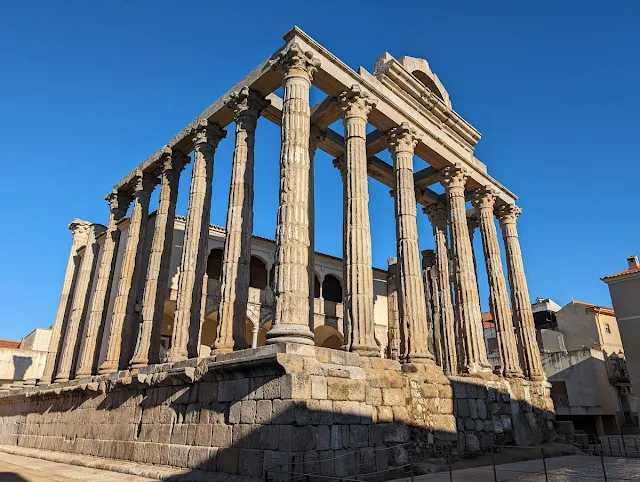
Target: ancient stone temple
183, 344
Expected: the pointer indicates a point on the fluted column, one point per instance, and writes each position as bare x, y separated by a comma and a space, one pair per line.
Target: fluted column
430, 280
123, 320
520, 302
359, 328
393, 328
291, 279
119, 202
411, 302
472, 224
234, 283
78, 313
444, 317
193, 264
80, 232
315, 136
484, 200
473, 351
156, 287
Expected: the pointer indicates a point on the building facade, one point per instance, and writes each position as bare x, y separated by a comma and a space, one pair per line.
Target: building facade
624, 288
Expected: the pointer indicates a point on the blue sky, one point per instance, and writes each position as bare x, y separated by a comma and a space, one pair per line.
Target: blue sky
89, 89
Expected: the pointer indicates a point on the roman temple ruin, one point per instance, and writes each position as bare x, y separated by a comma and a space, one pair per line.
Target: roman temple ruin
189, 345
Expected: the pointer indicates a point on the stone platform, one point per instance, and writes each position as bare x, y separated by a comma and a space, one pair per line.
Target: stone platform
280, 405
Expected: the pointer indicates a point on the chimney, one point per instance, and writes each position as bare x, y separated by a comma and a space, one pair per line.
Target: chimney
633, 261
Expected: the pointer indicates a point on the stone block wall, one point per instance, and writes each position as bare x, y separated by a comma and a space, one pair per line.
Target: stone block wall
300, 407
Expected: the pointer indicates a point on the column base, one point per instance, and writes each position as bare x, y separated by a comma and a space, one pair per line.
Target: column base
287, 333
61, 379
513, 374
83, 374
536, 378
108, 367
476, 370
138, 363
418, 358
365, 350
174, 355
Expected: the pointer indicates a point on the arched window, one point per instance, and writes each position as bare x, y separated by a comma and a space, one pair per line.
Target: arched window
316, 286
258, 273
214, 264
332, 289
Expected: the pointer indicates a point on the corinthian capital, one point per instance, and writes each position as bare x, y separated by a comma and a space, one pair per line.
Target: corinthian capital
294, 61
484, 198
338, 163
80, 231
207, 133
316, 134
119, 202
403, 138
437, 213
508, 214
356, 103
144, 184
173, 160
454, 176
247, 103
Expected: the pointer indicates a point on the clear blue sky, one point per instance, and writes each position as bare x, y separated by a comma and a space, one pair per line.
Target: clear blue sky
90, 89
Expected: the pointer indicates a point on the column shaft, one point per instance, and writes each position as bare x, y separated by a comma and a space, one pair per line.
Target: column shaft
234, 283
72, 337
393, 328
444, 317
520, 302
291, 283
473, 351
430, 280
484, 201
156, 286
411, 300
118, 204
359, 327
80, 232
186, 321
123, 320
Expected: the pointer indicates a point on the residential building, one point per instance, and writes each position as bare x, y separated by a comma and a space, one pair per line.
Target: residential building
624, 288
23, 361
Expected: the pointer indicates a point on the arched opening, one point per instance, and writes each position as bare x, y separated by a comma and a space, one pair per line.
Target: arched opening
258, 277
327, 337
272, 275
214, 264
316, 286
332, 289
262, 334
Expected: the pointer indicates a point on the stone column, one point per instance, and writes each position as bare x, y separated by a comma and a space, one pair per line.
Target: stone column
315, 136
472, 224
393, 329
445, 317
359, 328
473, 352
80, 232
234, 283
119, 202
193, 265
78, 313
156, 286
520, 303
430, 279
291, 283
122, 322
413, 314
484, 200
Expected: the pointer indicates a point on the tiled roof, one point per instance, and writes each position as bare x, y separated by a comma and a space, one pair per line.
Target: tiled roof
487, 320
9, 344
635, 269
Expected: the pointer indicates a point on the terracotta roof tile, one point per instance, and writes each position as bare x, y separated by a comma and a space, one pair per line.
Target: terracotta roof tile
635, 269
9, 344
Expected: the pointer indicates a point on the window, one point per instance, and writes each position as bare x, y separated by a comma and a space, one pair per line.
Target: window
607, 328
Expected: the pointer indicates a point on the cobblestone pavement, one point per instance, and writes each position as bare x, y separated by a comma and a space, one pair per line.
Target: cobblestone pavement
16, 468
617, 469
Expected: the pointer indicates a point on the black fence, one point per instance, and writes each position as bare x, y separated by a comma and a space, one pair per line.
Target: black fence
605, 460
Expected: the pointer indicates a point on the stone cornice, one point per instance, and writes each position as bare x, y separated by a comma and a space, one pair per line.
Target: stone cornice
406, 84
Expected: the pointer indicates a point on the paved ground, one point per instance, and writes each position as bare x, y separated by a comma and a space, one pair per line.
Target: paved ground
572, 468
16, 468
